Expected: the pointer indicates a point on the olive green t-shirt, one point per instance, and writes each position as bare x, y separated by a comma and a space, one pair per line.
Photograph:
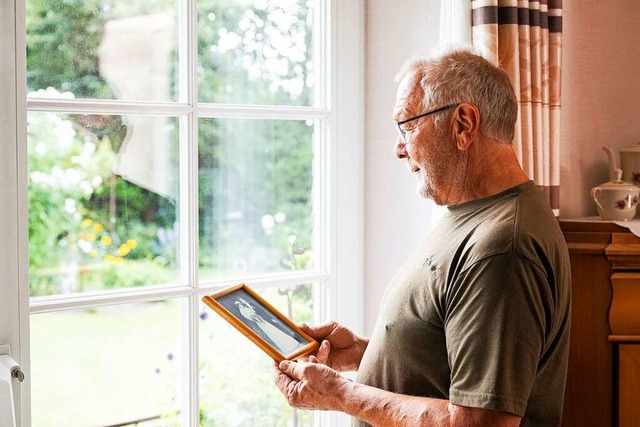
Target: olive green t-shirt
480, 314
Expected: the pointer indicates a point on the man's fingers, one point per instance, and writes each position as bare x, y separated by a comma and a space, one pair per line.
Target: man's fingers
295, 370
323, 352
289, 368
283, 381
287, 383
318, 332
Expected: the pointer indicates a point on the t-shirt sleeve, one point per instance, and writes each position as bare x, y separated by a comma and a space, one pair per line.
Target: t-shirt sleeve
495, 322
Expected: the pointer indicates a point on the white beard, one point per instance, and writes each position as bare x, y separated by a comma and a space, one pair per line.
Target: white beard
422, 188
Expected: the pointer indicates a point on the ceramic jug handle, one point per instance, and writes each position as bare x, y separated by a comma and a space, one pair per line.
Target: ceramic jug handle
594, 191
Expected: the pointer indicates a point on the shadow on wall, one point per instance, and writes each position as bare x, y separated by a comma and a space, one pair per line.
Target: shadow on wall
593, 174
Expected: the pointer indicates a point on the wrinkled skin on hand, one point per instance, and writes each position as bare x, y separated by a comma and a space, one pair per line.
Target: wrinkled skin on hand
308, 385
340, 348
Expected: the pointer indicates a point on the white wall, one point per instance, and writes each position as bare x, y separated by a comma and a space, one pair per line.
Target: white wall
600, 94
396, 219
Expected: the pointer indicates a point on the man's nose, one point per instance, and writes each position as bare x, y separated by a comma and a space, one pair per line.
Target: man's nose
400, 149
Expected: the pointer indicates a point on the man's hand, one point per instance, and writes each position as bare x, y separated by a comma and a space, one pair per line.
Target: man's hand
339, 349
310, 385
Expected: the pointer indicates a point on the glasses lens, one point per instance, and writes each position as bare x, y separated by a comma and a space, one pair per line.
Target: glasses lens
403, 136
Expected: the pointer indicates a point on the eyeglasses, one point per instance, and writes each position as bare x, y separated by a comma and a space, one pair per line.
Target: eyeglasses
403, 132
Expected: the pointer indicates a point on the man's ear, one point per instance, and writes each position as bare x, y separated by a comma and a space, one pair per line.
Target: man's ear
466, 122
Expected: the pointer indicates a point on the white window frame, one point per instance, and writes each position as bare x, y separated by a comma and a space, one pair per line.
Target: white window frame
340, 163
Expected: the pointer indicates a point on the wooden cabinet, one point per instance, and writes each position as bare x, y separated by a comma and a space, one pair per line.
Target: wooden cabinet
629, 384
603, 381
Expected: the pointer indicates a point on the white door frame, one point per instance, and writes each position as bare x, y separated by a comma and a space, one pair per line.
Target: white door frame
14, 289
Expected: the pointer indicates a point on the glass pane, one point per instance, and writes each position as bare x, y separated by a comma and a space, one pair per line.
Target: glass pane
103, 202
256, 51
100, 49
107, 366
240, 391
255, 185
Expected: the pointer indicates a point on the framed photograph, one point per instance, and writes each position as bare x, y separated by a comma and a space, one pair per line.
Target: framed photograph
261, 322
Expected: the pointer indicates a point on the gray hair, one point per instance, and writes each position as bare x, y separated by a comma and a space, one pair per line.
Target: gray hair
460, 75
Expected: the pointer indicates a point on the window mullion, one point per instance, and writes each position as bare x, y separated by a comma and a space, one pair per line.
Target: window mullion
268, 281
91, 300
261, 112
98, 106
189, 257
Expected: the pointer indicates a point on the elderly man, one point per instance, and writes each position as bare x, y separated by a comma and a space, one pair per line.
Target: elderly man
474, 328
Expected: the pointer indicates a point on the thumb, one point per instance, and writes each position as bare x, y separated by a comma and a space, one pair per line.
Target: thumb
290, 367
284, 365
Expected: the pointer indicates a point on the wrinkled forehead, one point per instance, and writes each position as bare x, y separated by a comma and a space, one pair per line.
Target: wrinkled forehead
410, 94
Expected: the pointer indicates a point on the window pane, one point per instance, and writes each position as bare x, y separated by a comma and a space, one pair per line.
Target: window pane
256, 51
255, 185
100, 49
103, 202
107, 365
240, 391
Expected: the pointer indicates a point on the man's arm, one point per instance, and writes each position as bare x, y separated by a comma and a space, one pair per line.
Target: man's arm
315, 386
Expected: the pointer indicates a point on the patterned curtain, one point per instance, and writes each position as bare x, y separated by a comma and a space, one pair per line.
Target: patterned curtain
525, 38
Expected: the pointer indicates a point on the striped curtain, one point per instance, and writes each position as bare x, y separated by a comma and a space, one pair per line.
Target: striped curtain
525, 38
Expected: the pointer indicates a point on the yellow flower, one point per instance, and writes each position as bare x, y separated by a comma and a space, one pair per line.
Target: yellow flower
105, 240
97, 227
124, 249
87, 223
132, 243
90, 237
94, 253
112, 259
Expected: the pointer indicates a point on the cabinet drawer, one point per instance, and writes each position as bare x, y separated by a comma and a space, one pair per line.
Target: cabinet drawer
624, 315
629, 385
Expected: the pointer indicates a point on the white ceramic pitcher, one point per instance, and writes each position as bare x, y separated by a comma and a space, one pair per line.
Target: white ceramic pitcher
616, 200
629, 163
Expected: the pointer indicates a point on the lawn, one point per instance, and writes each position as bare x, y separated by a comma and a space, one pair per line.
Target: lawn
105, 366
118, 364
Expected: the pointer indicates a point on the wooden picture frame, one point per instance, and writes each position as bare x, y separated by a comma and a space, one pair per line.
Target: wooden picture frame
261, 322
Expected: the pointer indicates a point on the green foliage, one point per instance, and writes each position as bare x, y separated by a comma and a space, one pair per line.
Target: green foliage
62, 46
63, 174
71, 235
136, 273
256, 167
271, 176
254, 55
